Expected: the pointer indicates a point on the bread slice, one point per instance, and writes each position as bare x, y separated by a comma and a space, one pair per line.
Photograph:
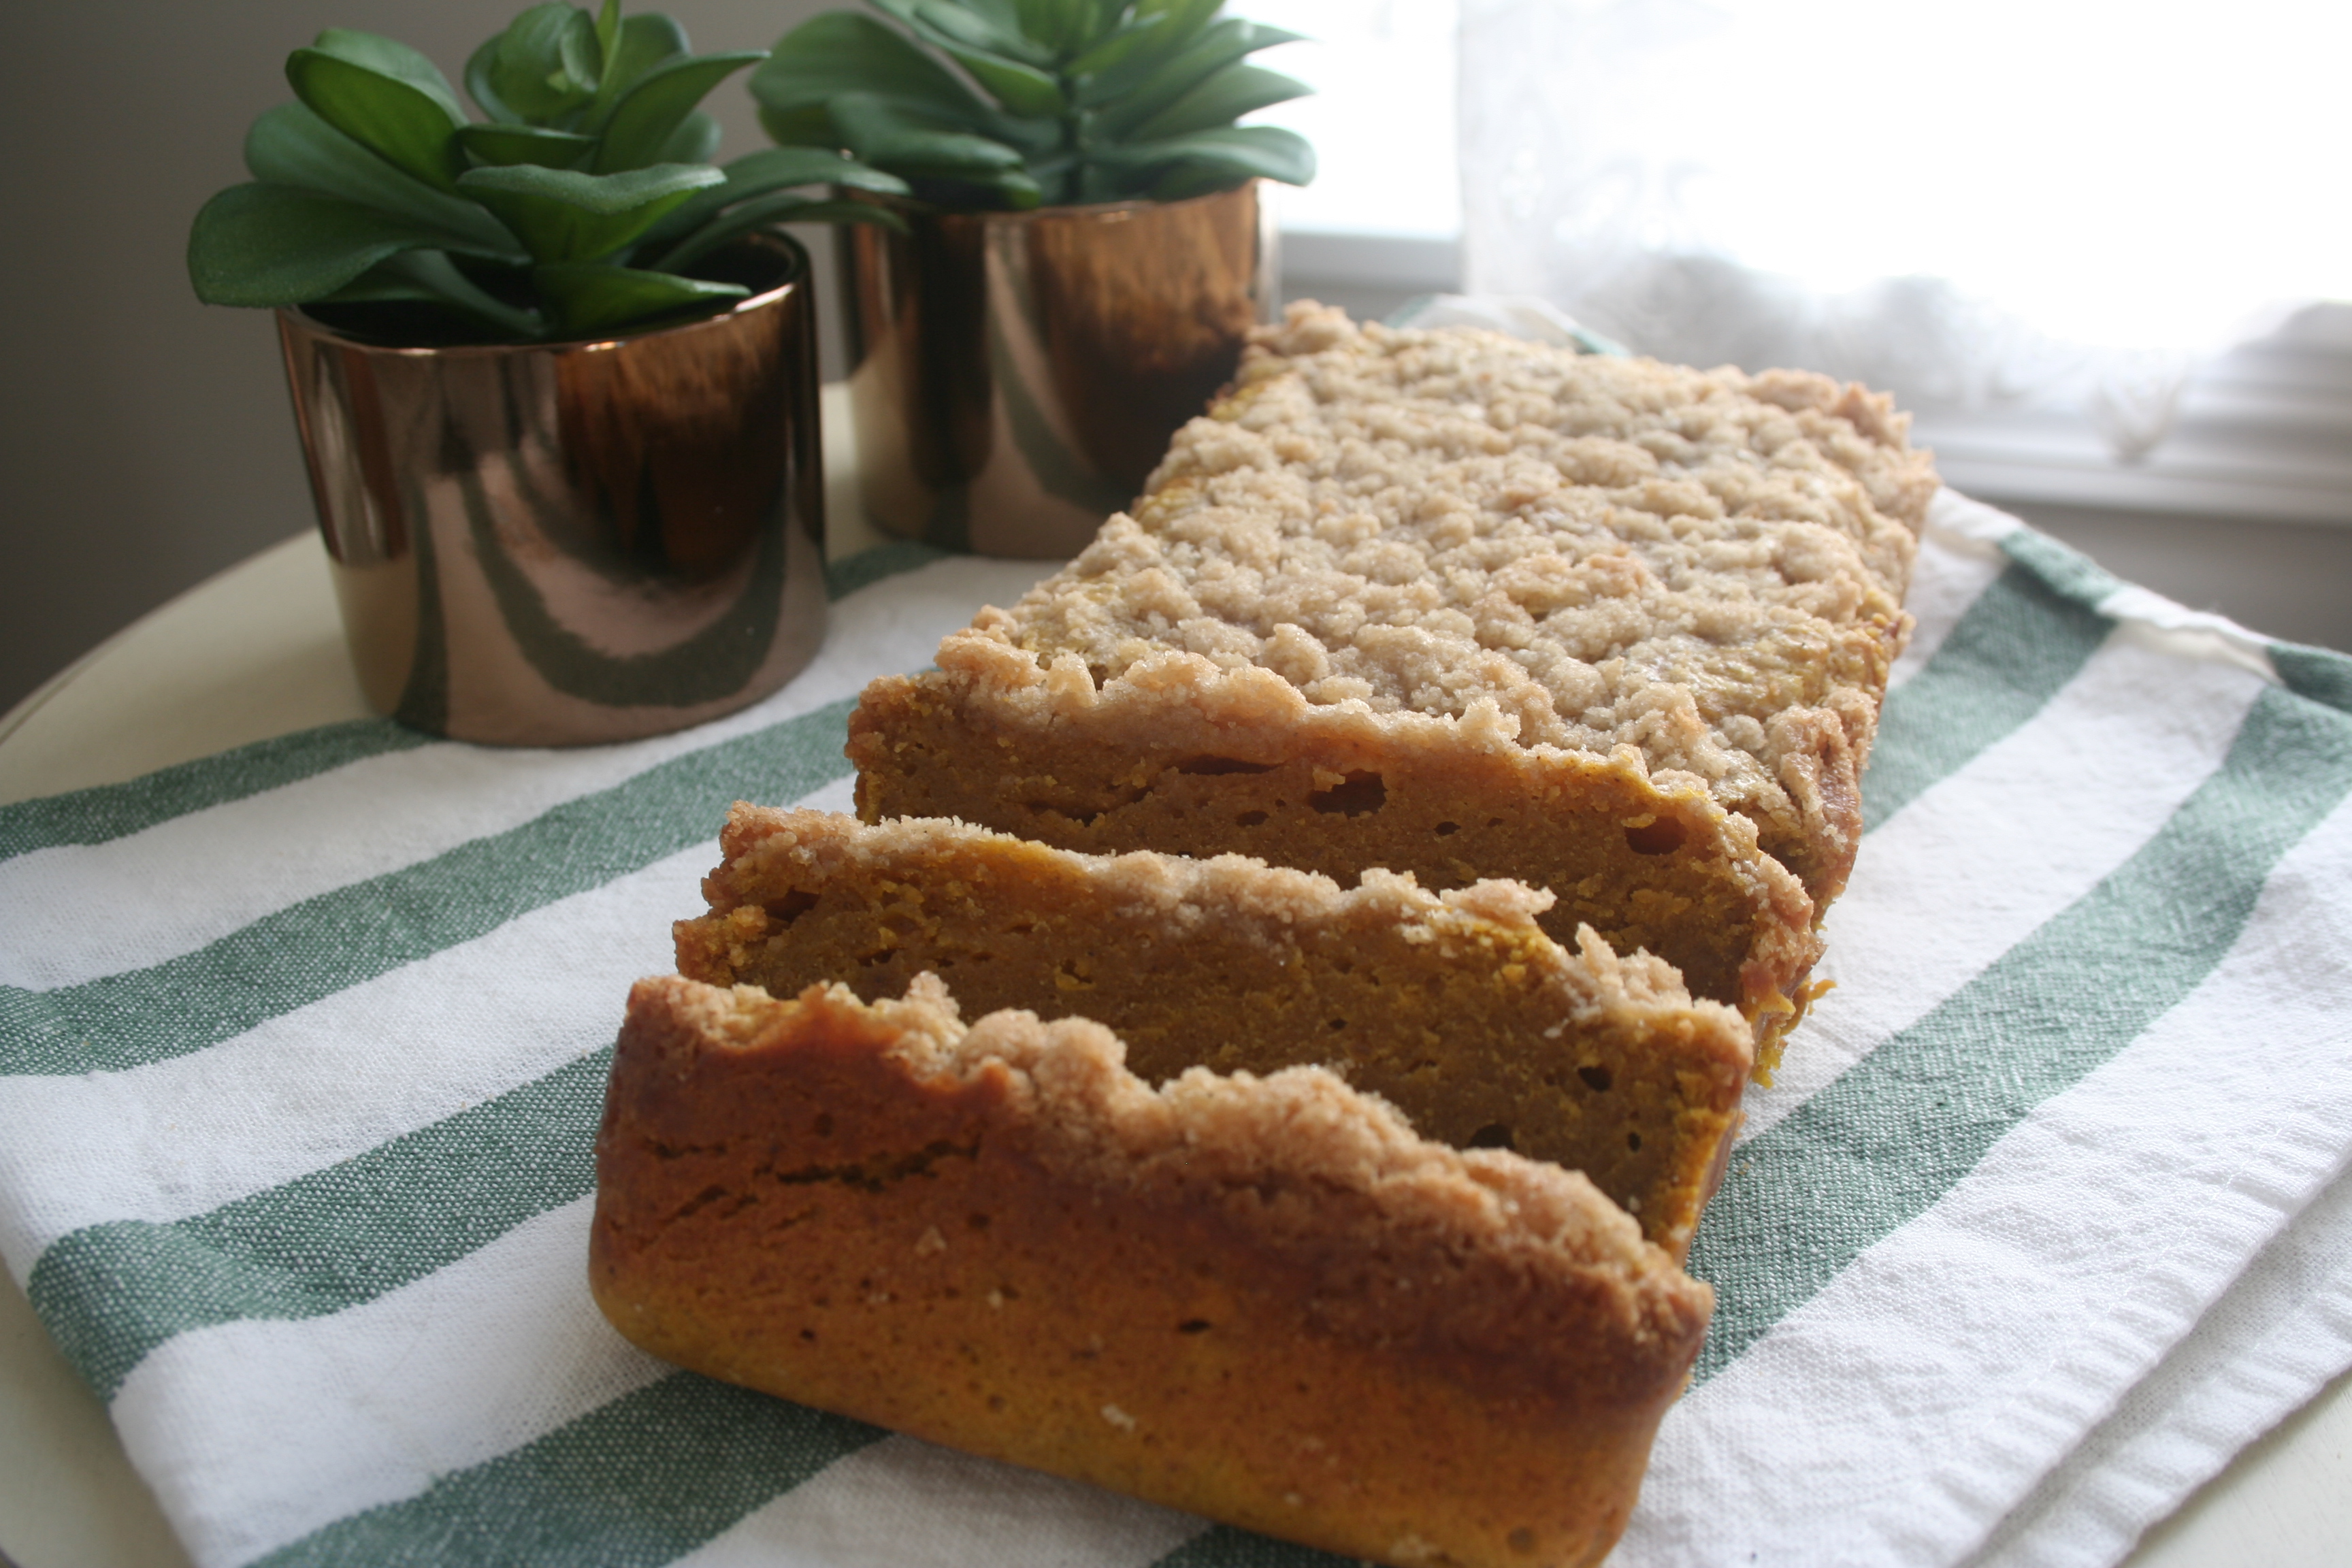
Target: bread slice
1456, 1009
1451, 604
1261, 1299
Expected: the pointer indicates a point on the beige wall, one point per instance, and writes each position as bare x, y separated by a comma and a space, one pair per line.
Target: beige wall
144, 438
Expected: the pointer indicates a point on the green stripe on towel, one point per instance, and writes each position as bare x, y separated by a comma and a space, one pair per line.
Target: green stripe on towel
117, 811
112, 1294
2318, 673
1223, 1546
2016, 647
643, 1480
1880, 1145
2062, 568
352, 934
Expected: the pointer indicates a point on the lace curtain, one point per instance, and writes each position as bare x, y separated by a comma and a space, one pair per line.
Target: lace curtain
2051, 202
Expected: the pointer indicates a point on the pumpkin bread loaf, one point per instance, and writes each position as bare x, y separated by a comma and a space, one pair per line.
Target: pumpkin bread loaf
1263, 1299
1461, 605
1456, 1009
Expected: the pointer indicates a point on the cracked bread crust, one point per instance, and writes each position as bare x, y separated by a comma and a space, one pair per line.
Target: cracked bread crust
1705, 565
1464, 607
1295, 1315
1455, 1008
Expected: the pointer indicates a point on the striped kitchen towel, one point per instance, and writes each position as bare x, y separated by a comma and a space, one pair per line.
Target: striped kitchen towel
302, 1050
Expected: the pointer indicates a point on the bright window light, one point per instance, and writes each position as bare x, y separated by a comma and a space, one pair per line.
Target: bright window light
1381, 119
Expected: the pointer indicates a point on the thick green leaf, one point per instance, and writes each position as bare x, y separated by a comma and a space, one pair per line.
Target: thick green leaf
1022, 89
390, 57
1112, 49
776, 168
653, 105
548, 63
808, 126
500, 145
277, 245
398, 121
771, 170
565, 215
482, 89
646, 40
696, 141
1014, 190
882, 135
608, 34
1215, 159
844, 52
1062, 25
1218, 46
948, 25
1220, 100
767, 211
428, 277
1125, 58
588, 297
289, 145
1004, 16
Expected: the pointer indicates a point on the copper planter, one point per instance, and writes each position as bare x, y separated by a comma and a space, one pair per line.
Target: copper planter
1015, 376
575, 543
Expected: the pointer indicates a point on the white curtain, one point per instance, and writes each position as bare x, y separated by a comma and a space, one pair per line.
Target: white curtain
2063, 202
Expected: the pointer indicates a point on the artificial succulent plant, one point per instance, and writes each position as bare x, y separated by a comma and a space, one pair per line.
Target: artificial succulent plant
985, 104
584, 203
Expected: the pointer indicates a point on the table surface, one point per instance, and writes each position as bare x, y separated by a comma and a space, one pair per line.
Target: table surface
258, 652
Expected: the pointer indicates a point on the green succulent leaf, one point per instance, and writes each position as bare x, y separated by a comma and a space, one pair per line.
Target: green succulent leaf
482, 89
777, 168
1012, 68
1004, 16
1221, 99
769, 170
608, 33
591, 296
548, 63
406, 125
1063, 27
389, 57
880, 134
1124, 55
844, 52
948, 25
1206, 160
1172, 77
267, 245
502, 144
1014, 190
644, 41
290, 145
652, 109
1022, 88
428, 277
563, 215
696, 141
764, 213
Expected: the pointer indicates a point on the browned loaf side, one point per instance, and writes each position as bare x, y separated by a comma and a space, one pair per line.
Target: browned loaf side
1456, 1009
1260, 1298
1455, 605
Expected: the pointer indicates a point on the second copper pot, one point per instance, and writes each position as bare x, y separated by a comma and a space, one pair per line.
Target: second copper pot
1015, 376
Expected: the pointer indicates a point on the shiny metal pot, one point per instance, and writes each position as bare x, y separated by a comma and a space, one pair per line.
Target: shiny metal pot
573, 543
1015, 376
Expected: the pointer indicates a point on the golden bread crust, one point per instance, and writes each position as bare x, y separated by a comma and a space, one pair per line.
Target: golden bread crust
1457, 1008
1265, 1299
1464, 607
